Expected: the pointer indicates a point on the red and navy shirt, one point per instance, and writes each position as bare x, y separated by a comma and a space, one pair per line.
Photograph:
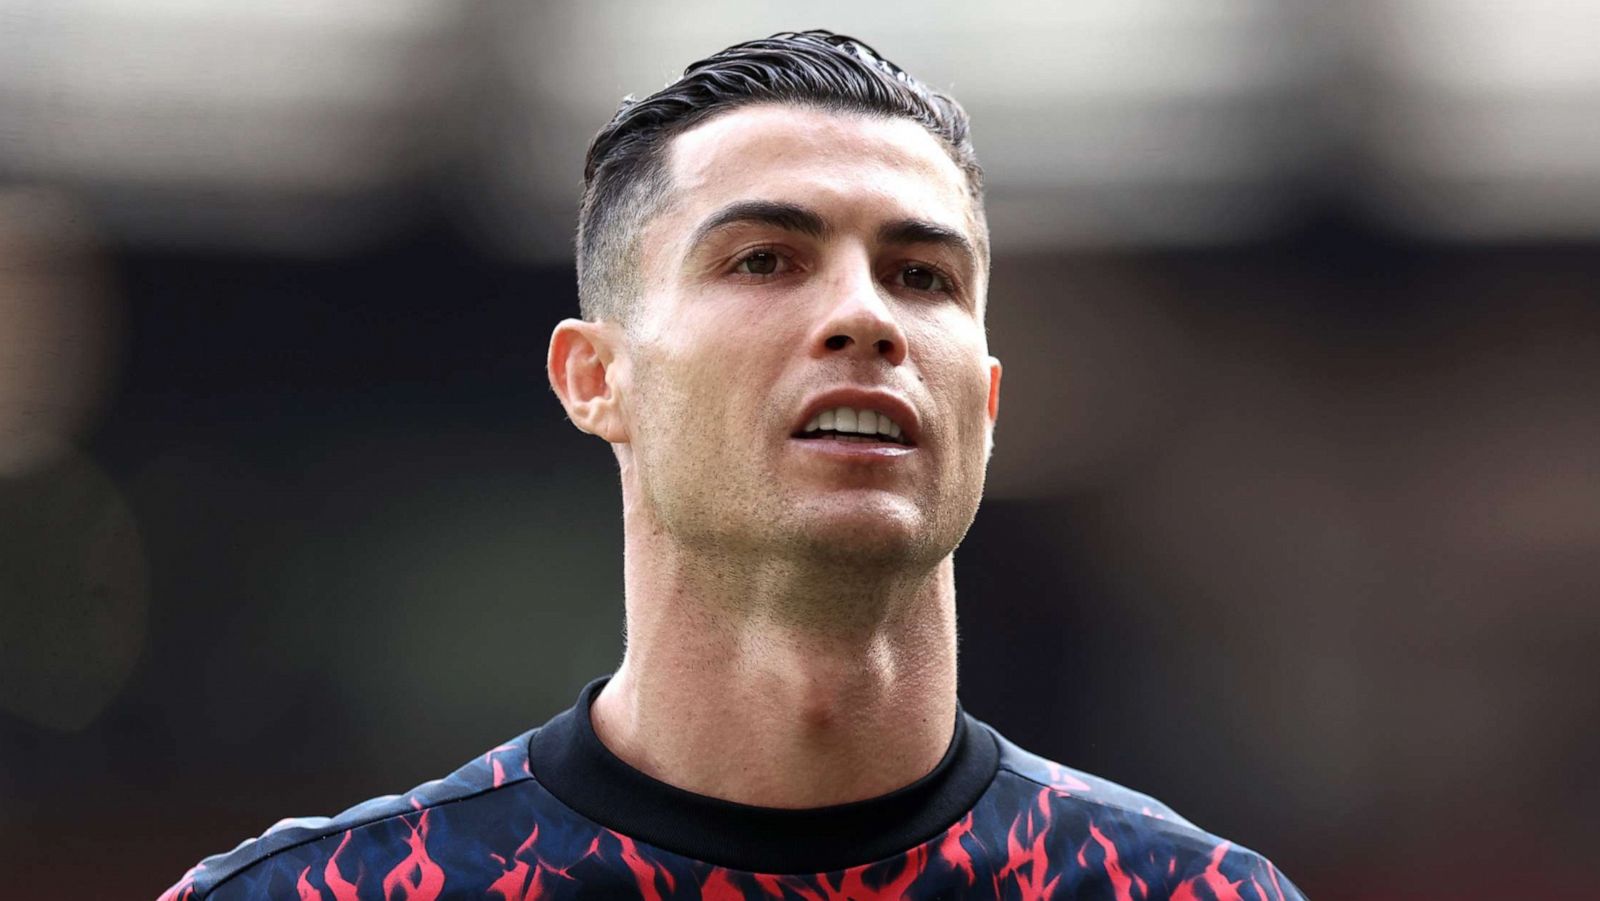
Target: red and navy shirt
552, 814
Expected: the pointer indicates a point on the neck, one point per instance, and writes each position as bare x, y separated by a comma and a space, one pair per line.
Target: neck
743, 681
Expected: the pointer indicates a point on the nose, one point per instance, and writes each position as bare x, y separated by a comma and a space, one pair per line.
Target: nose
860, 322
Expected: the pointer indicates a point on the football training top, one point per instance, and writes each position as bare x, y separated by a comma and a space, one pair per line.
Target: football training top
552, 814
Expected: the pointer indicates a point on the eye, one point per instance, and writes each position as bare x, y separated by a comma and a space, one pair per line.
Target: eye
759, 262
923, 278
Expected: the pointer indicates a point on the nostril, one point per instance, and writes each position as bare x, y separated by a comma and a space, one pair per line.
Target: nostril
885, 346
838, 342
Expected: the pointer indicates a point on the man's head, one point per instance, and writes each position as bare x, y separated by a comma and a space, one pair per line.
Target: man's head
625, 178
790, 258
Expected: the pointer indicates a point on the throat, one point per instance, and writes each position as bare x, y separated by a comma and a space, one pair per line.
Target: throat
777, 724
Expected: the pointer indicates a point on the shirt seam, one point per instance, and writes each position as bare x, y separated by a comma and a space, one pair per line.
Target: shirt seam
519, 779
1105, 805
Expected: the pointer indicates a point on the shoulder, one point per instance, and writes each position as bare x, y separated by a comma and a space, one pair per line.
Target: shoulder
1066, 782
391, 816
1118, 835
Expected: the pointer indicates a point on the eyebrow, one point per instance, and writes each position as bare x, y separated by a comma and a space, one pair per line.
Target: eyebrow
795, 218
921, 231
787, 216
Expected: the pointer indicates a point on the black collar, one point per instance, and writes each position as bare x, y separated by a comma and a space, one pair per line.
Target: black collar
569, 760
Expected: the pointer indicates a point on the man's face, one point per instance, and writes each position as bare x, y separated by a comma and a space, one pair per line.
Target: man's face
809, 262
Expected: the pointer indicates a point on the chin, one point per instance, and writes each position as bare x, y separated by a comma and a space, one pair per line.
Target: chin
867, 537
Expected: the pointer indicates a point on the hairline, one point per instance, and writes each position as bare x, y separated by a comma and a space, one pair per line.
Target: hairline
656, 172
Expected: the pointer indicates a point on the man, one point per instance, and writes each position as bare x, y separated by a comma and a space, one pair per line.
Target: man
782, 265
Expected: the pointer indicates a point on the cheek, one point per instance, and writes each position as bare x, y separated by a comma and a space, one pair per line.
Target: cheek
736, 349
705, 383
957, 376
954, 363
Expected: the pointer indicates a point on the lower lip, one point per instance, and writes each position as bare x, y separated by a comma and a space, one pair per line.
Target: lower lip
865, 450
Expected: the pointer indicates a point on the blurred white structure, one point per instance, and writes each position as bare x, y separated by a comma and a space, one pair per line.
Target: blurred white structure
1486, 116
280, 125
308, 127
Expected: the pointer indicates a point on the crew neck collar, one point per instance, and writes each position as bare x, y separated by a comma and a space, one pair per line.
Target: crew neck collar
568, 758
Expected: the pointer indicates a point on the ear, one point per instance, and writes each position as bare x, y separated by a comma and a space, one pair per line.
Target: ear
994, 390
993, 406
583, 371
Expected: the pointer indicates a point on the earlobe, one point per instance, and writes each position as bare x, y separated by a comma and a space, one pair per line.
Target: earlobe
580, 366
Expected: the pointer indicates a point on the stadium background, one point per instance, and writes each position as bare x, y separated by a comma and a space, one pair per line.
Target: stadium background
1294, 518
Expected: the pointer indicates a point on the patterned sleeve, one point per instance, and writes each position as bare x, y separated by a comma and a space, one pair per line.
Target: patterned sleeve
1233, 873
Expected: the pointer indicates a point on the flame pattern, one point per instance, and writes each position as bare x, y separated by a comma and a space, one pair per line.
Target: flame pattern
490, 830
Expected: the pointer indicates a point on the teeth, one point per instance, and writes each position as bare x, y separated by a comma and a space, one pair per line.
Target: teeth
858, 422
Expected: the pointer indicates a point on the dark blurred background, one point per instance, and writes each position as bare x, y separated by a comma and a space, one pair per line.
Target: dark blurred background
1294, 518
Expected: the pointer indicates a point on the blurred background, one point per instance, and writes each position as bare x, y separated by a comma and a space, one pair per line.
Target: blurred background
1294, 518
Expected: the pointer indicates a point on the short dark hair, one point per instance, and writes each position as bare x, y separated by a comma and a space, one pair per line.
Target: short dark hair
625, 181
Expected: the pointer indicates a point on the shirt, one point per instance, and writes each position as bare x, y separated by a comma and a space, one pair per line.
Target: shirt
553, 814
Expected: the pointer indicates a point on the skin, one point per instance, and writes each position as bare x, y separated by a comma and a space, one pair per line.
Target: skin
790, 612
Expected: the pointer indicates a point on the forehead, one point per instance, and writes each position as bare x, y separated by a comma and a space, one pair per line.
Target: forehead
860, 164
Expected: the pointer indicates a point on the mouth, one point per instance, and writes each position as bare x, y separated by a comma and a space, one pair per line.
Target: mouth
855, 425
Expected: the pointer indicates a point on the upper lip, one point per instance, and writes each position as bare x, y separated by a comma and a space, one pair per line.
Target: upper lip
899, 410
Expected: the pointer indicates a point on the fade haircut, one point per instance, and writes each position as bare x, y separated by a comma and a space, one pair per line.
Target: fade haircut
625, 178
